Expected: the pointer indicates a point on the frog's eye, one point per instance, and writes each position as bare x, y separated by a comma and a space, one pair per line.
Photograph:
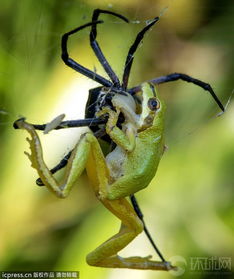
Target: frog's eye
153, 104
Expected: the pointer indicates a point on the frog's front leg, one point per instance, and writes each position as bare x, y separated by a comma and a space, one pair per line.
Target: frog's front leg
124, 139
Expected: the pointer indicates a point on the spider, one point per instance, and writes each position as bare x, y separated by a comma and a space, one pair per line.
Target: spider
102, 97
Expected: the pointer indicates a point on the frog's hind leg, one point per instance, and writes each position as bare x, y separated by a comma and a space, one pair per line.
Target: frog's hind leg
106, 254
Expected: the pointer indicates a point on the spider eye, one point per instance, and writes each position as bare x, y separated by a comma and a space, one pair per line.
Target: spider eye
153, 104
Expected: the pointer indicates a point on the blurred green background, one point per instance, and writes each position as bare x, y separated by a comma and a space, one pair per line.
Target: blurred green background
189, 205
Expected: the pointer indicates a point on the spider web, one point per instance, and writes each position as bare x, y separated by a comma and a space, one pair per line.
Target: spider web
35, 83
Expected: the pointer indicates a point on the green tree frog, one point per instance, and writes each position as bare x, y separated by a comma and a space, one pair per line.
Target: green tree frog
124, 171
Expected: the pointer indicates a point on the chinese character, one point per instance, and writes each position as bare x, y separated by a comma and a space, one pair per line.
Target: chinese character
74, 274
51, 275
41, 275
35, 274
225, 263
58, 274
46, 275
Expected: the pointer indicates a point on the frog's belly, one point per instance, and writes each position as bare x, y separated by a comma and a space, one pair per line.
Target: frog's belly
141, 167
115, 161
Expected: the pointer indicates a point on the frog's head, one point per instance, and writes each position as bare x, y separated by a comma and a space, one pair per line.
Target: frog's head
143, 110
152, 109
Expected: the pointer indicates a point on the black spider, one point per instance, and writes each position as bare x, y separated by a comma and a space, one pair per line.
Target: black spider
114, 86
102, 95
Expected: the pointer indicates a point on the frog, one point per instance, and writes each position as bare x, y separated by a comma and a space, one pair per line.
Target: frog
127, 169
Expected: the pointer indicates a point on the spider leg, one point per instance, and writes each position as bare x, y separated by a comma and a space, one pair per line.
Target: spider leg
132, 50
177, 76
58, 167
73, 64
140, 215
96, 48
69, 124
202, 84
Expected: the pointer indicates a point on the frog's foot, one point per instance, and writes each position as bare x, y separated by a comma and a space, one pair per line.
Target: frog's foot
135, 263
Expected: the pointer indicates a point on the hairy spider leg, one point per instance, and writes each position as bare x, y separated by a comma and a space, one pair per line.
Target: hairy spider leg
78, 67
88, 154
96, 48
132, 50
184, 77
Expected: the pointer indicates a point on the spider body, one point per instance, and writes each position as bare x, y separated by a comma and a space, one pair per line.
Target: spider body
97, 99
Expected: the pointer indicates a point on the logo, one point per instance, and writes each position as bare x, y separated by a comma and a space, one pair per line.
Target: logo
211, 265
